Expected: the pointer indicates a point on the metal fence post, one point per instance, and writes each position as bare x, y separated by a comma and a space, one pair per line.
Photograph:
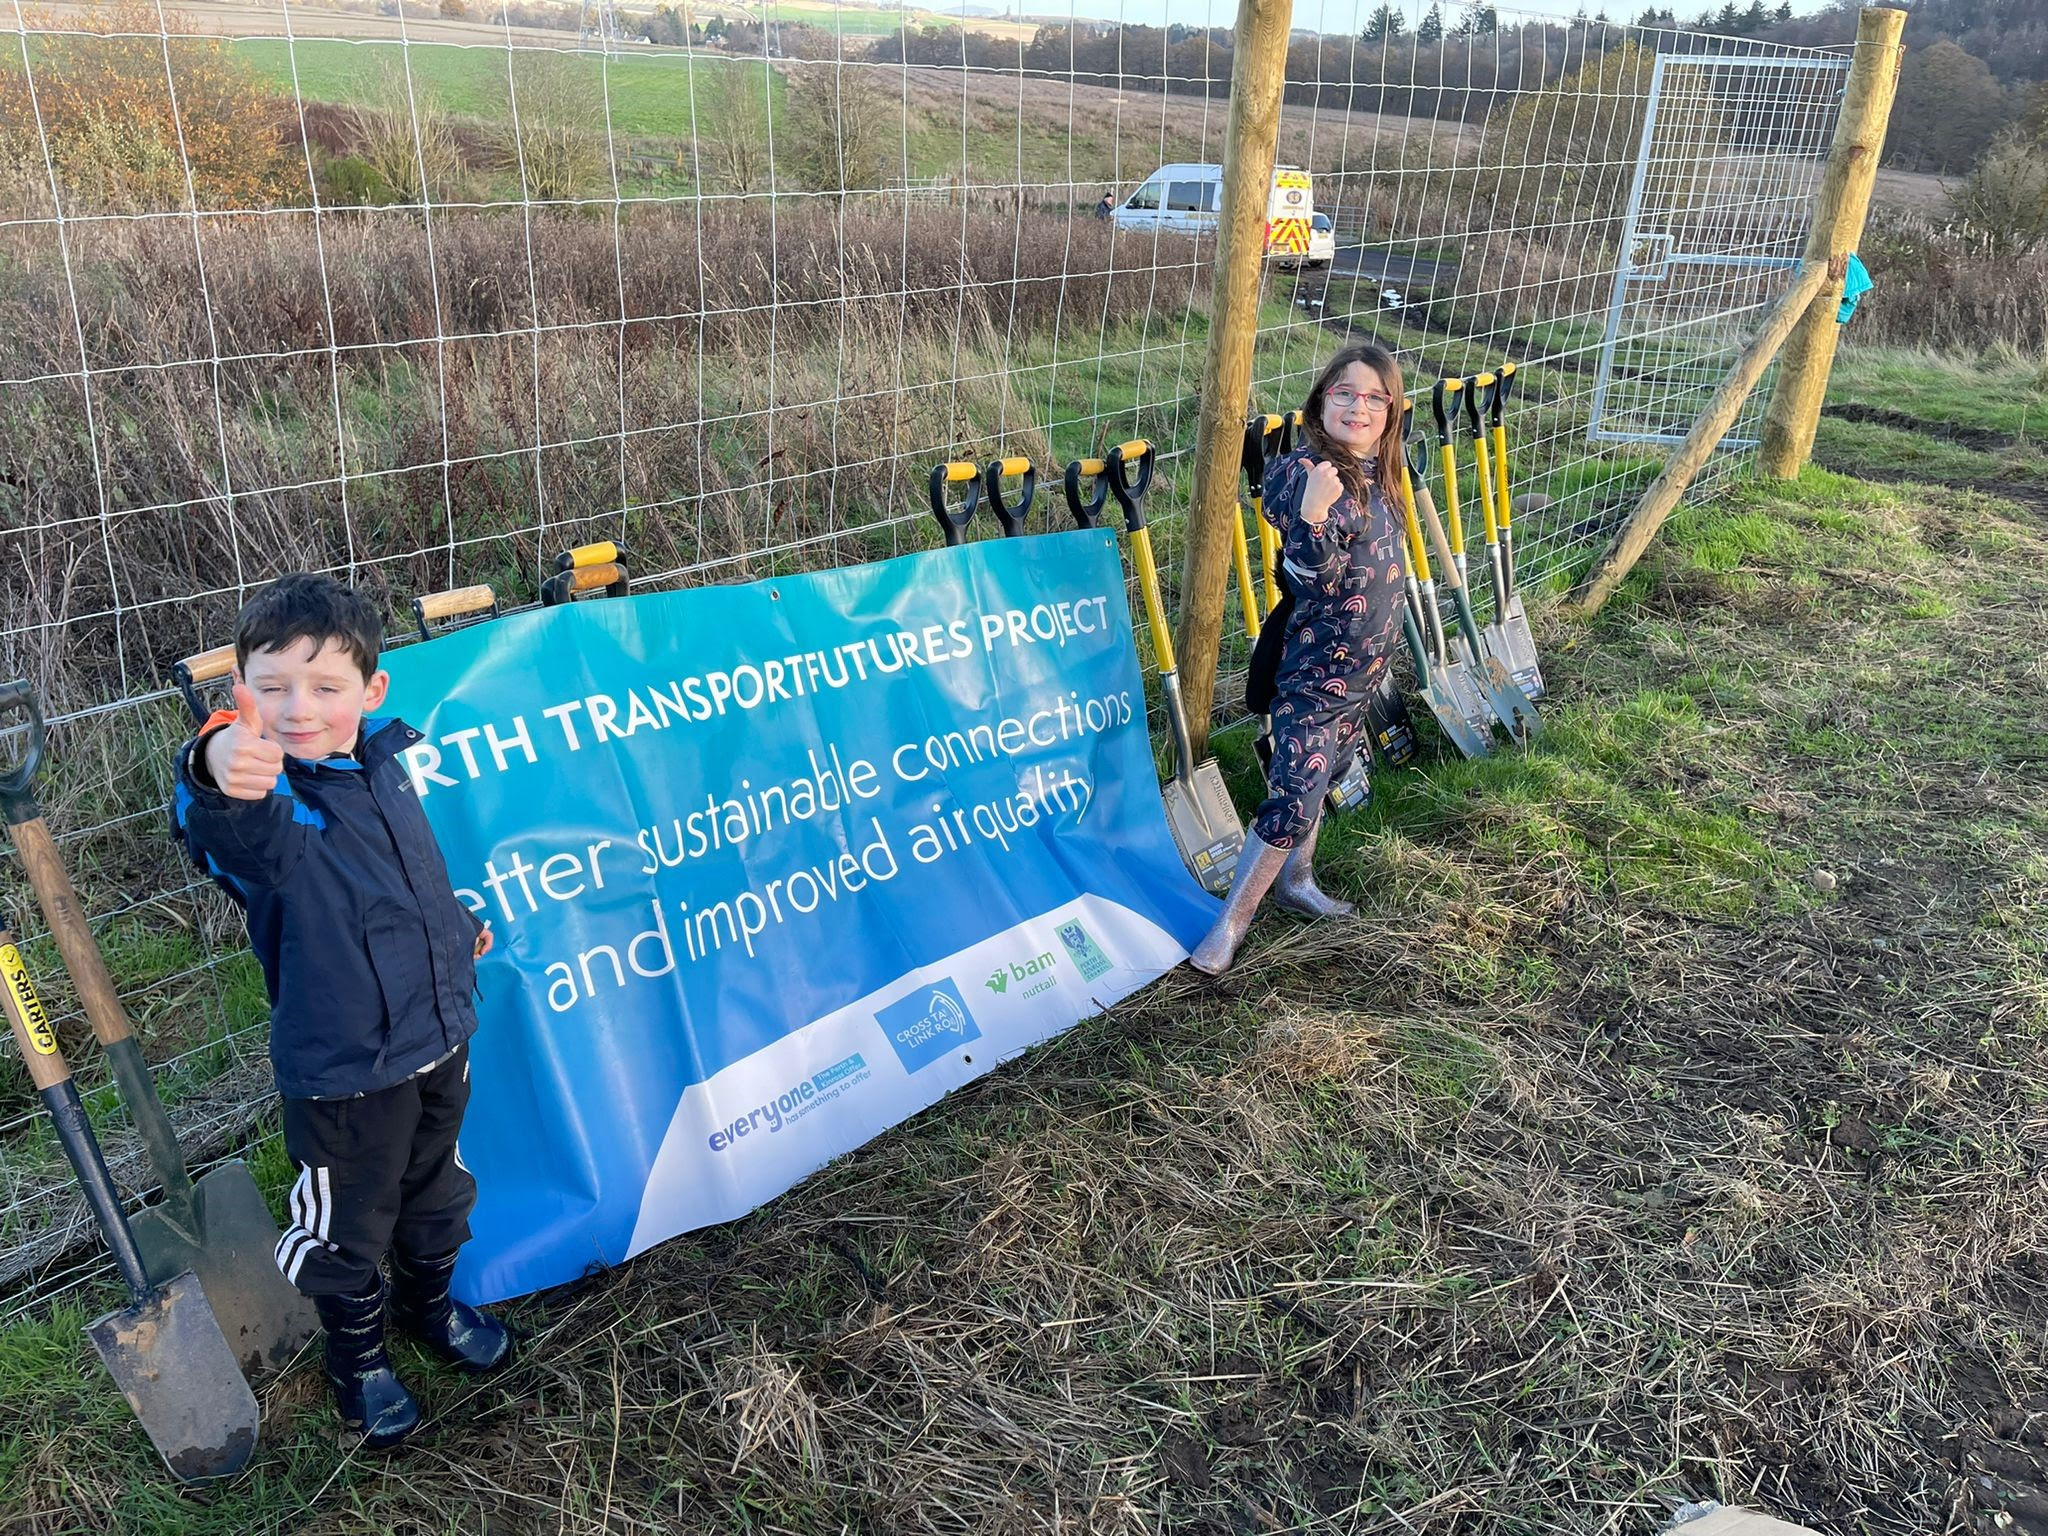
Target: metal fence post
1839, 208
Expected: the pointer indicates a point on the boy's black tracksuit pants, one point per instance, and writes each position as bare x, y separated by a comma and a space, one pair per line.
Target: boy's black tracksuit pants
376, 1170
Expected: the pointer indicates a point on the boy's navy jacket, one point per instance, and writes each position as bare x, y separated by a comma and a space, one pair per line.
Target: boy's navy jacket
367, 953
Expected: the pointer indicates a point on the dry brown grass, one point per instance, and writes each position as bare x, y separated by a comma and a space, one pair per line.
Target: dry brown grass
213, 477
1605, 1163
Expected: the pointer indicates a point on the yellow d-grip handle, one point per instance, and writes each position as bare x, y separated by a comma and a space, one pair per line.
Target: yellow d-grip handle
1270, 422
1451, 499
584, 556
1135, 449
1094, 466
1012, 467
958, 470
1155, 606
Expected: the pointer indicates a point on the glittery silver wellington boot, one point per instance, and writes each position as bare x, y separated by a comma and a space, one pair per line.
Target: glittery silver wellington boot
1257, 865
1296, 887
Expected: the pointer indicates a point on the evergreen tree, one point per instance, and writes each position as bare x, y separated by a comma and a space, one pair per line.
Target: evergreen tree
1385, 24
1431, 28
1755, 19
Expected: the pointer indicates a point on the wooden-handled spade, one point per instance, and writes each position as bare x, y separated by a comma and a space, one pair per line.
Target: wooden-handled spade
164, 1350
220, 1228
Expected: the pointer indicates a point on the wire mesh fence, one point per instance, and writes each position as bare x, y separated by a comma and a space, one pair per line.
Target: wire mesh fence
424, 298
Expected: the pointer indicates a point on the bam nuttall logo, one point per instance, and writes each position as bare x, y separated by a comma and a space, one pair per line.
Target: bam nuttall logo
1031, 976
929, 1023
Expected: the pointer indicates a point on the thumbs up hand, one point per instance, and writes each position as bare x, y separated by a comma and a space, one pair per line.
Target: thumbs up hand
242, 760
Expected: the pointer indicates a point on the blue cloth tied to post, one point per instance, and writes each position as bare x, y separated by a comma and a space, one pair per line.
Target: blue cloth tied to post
1856, 284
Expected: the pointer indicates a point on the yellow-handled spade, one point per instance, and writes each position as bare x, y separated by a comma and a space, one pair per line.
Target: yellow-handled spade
1199, 811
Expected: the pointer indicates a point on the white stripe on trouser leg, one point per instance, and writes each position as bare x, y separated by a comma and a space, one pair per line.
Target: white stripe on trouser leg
292, 1249
326, 1206
301, 1201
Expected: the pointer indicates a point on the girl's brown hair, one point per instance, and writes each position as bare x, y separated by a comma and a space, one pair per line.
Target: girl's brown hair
1385, 474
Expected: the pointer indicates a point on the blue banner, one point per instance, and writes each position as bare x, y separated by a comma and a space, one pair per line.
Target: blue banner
772, 867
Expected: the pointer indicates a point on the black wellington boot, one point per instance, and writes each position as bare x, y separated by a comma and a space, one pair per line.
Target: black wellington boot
370, 1396
454, 1330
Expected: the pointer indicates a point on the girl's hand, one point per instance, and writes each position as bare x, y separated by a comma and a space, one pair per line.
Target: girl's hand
483, 942
1323, 491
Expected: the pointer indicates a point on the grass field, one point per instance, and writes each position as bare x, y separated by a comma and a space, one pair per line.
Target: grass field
1669, 1126
649, 93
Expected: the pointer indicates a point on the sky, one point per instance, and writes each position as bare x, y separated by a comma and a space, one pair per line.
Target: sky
1341, 15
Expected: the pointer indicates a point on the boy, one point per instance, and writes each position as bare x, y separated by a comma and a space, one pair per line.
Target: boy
296, 801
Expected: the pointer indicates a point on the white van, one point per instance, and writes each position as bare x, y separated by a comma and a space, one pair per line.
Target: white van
1184, 199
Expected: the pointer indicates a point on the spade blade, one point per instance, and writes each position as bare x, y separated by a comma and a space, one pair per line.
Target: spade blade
230, 1248
168, 1357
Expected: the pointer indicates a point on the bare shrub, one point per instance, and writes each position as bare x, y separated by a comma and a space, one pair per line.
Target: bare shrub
2005, 199
553, 135
1948, 287
408, 456
732, 122
406, 139
1549, 157
840, 129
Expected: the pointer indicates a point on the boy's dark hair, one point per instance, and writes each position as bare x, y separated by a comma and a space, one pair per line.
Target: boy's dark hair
303, 606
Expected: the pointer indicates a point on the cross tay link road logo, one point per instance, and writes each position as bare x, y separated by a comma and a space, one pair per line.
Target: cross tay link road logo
930, 1023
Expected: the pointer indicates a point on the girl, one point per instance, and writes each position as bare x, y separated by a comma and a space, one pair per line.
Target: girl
1334, 501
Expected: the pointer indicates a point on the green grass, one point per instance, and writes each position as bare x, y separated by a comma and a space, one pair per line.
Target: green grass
2000, 391
650, 94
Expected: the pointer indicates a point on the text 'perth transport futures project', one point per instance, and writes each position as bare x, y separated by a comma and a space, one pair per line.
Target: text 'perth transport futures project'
469, 753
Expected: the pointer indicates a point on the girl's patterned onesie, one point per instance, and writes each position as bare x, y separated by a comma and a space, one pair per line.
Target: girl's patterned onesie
1347, 580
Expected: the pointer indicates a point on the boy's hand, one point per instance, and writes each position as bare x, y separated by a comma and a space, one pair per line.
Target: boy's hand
243, 762
483, 942
1320, 494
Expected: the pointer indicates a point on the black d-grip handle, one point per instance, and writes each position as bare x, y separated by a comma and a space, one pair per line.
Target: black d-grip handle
15, 782
1130, 494
1087, 511
955, 472
1415, 448
1011, 518
1481, 392
1444, 405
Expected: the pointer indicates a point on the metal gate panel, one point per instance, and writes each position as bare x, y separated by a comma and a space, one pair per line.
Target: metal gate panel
1718, 212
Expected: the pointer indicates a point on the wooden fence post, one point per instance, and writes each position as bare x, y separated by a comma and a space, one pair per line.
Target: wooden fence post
1257, 77
1839, 209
